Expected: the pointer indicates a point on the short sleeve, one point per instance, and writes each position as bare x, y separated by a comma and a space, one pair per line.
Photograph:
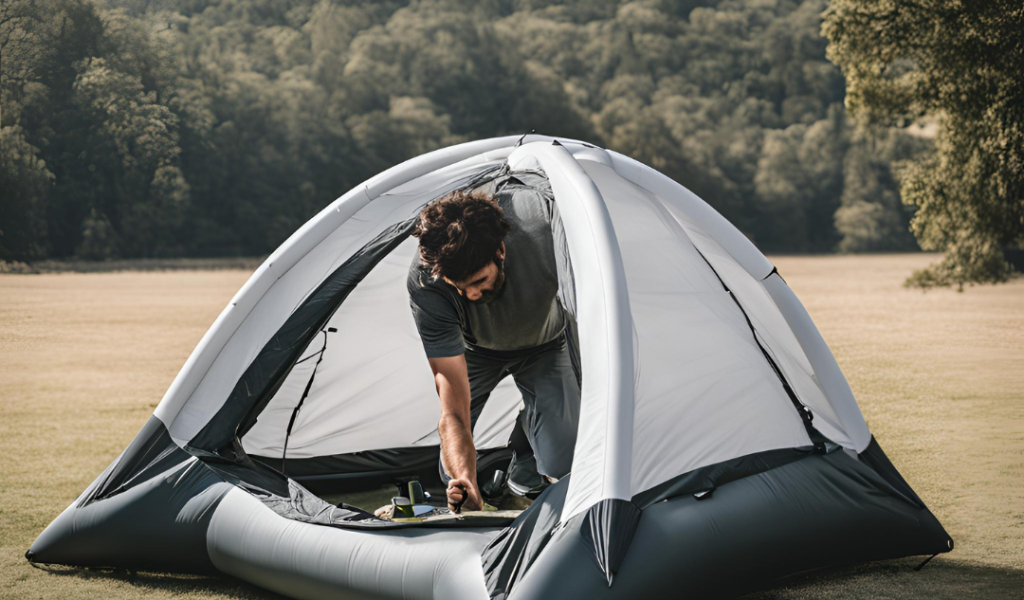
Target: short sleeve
437, 320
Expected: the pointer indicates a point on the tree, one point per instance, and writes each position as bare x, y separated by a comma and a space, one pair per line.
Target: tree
799, 183
959, 64
218, 128
871, 217
132, 149
25, 182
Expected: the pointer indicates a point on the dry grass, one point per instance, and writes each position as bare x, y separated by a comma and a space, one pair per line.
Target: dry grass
84, 358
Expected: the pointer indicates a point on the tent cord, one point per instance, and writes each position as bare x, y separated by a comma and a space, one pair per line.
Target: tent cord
305, 392
921, 566
520, 142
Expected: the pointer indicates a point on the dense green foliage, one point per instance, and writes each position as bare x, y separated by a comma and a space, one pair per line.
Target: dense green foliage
960, 64
142, 128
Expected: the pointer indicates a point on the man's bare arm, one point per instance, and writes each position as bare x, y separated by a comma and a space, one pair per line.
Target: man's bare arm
457, 449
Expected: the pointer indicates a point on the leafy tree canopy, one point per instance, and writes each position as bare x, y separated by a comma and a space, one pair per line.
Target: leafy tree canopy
139, 128
960, 65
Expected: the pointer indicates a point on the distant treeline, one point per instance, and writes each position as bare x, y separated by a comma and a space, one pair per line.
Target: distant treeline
135, 128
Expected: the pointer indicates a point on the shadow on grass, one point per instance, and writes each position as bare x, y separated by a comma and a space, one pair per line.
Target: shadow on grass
192, 585
887, 580
940, 579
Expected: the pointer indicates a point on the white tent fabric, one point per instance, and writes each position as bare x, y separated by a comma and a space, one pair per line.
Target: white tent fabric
697, 361
373, 389
720, 241
673, 377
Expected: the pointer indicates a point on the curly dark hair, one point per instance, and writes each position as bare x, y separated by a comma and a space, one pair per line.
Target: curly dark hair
460, 233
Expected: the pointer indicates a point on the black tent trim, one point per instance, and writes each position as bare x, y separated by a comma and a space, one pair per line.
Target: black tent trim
608, 529
357, 471
705, 480
151, 452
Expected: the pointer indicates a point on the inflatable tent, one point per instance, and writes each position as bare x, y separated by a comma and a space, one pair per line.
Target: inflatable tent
719, 446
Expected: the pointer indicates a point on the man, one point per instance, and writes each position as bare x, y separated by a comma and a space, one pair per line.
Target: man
483, 293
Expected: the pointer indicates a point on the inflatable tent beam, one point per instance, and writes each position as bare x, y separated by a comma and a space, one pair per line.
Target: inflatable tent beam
602, 468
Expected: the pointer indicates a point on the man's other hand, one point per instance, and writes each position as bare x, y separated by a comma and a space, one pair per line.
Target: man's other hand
464, 492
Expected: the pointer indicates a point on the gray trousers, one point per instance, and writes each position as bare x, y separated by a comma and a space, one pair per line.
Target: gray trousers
551, 395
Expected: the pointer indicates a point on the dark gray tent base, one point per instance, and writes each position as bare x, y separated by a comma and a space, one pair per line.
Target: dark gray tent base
814, 512
817, 512
159, 524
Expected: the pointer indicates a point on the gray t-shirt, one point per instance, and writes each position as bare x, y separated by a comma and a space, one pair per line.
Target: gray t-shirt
526, 312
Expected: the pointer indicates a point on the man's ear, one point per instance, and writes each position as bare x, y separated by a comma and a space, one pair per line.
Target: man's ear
501, 251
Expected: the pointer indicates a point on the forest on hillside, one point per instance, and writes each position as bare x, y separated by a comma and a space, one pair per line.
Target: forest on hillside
155, 128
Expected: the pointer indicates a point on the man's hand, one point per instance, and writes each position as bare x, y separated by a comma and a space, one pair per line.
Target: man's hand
463, 495
458, 454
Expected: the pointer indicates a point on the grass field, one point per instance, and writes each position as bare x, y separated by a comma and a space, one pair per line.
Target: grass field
84, 358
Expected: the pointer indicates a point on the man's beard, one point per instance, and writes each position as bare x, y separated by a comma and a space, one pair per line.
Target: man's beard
499, 282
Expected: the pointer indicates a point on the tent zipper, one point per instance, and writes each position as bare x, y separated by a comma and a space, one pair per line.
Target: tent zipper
806, 415
305, 392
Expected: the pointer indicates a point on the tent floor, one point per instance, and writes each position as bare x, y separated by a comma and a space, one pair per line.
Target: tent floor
370, 500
